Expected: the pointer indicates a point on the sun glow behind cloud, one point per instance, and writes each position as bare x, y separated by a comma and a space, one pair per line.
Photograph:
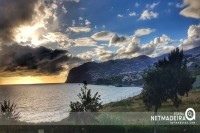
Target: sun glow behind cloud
28, 34
43, 22
32, 80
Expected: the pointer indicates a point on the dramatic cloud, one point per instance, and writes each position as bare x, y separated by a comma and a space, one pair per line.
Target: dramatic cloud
192, 9
99, 52
105, 56
133, 46
129, 51
21, 60
13, 14
129, 47
193, 39
113, 38
147, 15
79, 29
56, 37
26, 20
162, 50
56, 40
160, 40
102, 36
143, 32
85, 41
117, 40
194, 31
158, 46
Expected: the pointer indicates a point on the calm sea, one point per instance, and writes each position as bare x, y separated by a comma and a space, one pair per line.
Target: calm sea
45, 103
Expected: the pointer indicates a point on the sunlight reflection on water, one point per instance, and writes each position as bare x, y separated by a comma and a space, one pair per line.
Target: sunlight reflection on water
45, 103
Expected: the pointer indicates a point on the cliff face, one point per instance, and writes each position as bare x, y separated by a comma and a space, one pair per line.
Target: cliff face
93, 71
81, 73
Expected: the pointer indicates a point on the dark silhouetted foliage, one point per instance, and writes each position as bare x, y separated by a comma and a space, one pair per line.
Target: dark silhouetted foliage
8, 111
88, 103
167, 79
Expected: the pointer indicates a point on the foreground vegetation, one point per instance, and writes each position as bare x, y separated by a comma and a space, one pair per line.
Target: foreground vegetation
135, 104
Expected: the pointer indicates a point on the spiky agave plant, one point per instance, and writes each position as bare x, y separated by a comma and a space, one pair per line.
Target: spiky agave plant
8, 111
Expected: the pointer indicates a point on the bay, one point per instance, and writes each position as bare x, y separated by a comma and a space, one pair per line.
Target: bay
50, 102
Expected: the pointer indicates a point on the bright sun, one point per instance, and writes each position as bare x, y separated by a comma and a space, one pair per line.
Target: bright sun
31, 32
28, 34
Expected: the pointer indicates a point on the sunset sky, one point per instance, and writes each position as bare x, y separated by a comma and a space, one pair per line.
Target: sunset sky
41, 40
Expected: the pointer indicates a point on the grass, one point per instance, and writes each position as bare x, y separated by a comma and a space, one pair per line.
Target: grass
135, 104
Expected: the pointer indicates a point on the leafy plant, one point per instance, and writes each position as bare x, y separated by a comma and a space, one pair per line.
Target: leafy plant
87, 103
8, 111
167, 79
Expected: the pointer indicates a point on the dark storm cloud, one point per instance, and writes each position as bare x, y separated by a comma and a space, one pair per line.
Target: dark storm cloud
41, 60
14, 13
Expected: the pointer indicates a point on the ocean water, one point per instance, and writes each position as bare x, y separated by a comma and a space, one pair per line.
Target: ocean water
50, 103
